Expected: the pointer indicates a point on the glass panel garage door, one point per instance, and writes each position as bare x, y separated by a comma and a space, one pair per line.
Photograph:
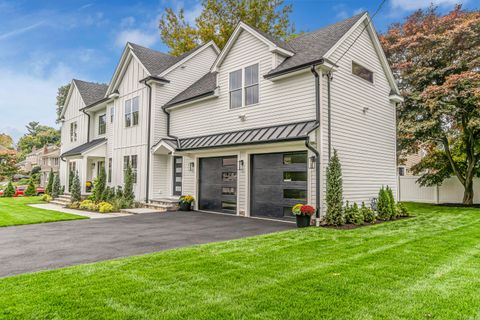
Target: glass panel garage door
278, 182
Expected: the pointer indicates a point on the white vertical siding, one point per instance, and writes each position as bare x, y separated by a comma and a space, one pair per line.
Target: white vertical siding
365, 141
279, 101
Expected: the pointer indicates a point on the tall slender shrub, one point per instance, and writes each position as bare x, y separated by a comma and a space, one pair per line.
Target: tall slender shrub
334, 196
30, 191
9, 190
75, 189
49, 188
393, 208
384, 208
56, 186
99, 186
128, 186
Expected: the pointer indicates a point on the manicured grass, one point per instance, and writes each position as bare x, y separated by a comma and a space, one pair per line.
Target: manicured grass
421, 268
15, 211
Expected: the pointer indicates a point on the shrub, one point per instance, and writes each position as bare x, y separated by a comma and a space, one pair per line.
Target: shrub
109, 194
31, 190
105, 207
120, 203
357, 216
75, 189
48, 189
334, 197
383, 205
119, 192
88, 205
128, 185
99, 186
46, 198
9, 190
62, 190
74, 205
393, 208
56, 187
368, 214
402, 210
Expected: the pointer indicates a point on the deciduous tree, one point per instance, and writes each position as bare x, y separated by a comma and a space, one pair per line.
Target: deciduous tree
61, 97
436, 60
219, 18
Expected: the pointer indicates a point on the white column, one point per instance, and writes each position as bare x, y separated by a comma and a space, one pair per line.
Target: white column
83, 173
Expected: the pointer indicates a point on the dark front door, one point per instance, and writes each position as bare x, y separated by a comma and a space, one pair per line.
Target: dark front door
278, 182
177, 175
218, 184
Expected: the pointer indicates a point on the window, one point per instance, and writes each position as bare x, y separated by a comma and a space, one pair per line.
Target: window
401, 171
294, 176
131, 112
296, 194
362, 72
229, 176
236, 89
133, 161
251, 84
229, 205
229, 191
229, 161
177, 175
73, 131
102, 124
109, 169
112, 114
100, 167
293, 158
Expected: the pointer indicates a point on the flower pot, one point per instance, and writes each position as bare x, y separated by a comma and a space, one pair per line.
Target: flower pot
184, 206
303, 221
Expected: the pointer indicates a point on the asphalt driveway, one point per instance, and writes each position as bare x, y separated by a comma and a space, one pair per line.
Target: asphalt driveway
54, 245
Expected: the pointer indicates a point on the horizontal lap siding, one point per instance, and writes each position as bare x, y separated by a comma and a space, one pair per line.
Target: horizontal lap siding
365, 142
283, 101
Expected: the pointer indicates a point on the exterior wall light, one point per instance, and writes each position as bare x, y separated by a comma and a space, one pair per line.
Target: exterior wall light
311, 163
240, 165
191, 166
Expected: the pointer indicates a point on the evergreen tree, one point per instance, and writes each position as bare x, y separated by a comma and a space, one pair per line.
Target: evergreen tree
384, 208
99, 186
128, 185
49, 188
56, 186
75, 189
9, 190
31, 190
334, 197
391, 199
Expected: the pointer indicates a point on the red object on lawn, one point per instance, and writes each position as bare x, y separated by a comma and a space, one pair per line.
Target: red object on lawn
20, 191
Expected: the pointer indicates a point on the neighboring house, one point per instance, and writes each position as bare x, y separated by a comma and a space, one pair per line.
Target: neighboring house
31, 160
241, 129
408, 161
47, 158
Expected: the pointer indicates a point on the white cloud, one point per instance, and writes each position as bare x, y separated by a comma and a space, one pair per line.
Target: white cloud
137, 36
192, 13
127, 22
358, 11
410, 5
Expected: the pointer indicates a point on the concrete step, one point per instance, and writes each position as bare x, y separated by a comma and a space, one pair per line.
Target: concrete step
161, 207
65, 196
140, 210
60, 203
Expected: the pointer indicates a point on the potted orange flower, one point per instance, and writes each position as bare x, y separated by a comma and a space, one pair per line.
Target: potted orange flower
303, 214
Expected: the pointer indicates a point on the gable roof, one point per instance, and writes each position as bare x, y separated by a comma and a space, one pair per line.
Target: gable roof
313, 46
90, 92
84, 147
204, 86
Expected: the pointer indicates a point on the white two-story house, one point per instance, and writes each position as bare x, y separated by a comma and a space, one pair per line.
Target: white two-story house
250, 130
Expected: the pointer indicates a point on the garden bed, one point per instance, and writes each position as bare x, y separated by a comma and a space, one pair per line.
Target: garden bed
349, 226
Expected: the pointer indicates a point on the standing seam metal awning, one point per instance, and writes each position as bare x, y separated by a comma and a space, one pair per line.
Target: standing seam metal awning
284, 132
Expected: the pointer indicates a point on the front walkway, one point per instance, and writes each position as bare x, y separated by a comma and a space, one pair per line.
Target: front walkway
91, 215
38, 247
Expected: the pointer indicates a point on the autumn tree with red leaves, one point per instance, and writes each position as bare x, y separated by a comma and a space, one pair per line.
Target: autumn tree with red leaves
436, 60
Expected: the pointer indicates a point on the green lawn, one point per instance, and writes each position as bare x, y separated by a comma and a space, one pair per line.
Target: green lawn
15, 211
426, 267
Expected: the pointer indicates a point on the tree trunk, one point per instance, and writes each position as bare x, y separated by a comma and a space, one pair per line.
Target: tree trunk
468, 192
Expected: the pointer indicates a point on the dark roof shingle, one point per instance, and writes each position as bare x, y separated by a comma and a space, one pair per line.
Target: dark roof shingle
91, 92
206, 85
82, 148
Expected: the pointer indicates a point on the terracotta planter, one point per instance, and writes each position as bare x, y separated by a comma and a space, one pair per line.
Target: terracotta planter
303, 221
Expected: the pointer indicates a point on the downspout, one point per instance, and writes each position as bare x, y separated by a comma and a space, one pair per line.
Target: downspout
309, 145
168, 128
149, 131
88, 126
329, 108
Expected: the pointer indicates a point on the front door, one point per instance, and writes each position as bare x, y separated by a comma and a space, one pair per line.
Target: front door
218, 184
177, 175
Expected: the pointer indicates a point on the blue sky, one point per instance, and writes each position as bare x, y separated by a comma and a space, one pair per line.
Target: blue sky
43, 44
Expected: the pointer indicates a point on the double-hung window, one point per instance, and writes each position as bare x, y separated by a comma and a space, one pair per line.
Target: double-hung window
133, 161
73, 131
236, 89
251, 85
102, 124
131, 112
243, 86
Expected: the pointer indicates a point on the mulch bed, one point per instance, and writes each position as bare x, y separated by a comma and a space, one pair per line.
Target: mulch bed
460, 205
350, 226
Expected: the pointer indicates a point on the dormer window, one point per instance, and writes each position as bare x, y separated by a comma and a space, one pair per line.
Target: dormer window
243, 86
362, 72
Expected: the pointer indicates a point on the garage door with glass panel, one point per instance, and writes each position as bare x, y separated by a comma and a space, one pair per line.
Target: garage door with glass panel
218, 184
278, 182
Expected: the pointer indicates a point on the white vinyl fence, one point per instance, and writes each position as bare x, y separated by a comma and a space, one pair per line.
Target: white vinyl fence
450, 191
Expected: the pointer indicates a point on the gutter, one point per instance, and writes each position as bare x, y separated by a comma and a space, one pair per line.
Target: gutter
88, 125
149, 133
295, 68
179, 146
309, 145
